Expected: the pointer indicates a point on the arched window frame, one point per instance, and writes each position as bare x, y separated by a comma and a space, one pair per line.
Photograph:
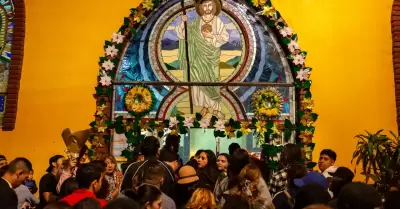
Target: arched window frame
17, 51
305, 117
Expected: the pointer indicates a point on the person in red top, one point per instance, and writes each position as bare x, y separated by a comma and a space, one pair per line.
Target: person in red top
89, 177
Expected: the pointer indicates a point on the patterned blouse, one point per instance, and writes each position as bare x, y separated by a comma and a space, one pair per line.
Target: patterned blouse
111, 179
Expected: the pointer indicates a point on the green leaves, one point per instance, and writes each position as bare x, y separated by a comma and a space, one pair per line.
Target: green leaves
198, 116
107, 44
219, 133
127, 154
307, 84
311, 165
308, 95
92, 124
285, 40
239, 134
126, 21
271, 23
294, 37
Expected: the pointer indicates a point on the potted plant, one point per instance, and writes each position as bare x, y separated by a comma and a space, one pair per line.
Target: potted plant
379, 157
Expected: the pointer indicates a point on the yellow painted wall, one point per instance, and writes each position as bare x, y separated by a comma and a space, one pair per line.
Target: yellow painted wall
349, 46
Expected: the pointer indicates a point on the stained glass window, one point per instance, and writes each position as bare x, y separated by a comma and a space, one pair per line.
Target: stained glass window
248, 53
6, 38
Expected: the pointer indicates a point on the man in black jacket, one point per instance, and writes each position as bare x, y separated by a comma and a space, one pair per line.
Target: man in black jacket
133, 176
16, 174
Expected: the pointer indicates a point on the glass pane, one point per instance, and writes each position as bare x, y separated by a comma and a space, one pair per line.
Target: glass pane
6, 29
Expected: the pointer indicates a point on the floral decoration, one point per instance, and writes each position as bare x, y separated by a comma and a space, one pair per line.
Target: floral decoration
139, 100
112, 56
267, 102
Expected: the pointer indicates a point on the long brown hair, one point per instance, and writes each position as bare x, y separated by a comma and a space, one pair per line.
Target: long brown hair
249, 178
202, 199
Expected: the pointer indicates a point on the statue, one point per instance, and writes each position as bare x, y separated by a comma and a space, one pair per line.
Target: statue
206, 34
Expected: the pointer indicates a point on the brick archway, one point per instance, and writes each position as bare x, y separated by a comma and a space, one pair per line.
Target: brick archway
14, 78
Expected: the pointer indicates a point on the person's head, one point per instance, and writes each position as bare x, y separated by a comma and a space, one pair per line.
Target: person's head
233, 147
90, 176
249, 178
392, 200
154, 173
208, 7
87, 203
122, 203
312, 177
150, 146
57, 205
236, 202
223, 162
239, 159
172, 142
18, 171
295, 171
3, 161
148, 196
83, 154
197, 154
111, 164
207, 159
202, 198
291, 154
68, 186
312, 193
340, 178
358, 195
170, 157
30, 176
327, 158
137, 155
54, 163
186, 175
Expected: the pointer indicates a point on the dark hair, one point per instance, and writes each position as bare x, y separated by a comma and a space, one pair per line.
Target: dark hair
172, 142
103, 191
87, 173
150, 146
100, 163
336, 185
227, 156
19, 163
211, 158
239, 159
57, 205
392, 200
291, 154
233, 147
153, 171
145, 193
68, 186
168, 155
295, 171
52, 160
122, 203
236, 202
330, 153
311, 193
198, 152
87, 203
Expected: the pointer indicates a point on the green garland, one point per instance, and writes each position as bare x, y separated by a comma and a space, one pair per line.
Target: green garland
113, 52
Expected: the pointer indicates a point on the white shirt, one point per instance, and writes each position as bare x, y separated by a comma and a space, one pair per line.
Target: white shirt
331, 169
9, 184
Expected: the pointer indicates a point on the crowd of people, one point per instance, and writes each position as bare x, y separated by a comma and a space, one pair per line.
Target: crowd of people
156, 178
